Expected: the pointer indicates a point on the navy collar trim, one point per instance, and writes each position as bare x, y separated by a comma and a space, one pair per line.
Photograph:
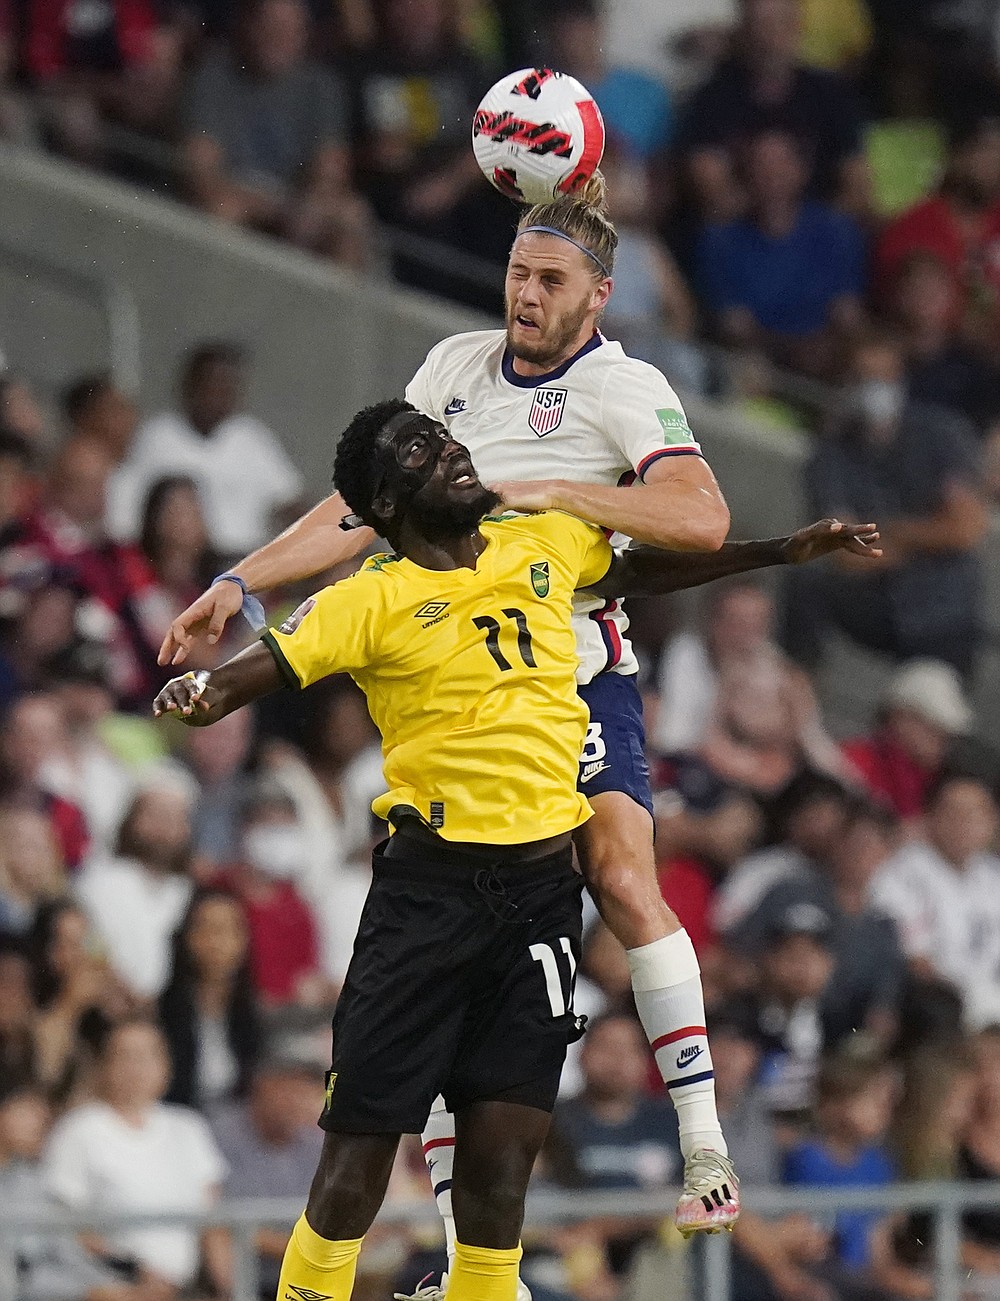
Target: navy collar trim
533, 381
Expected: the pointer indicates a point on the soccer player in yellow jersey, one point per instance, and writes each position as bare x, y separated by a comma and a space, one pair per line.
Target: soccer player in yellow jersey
470, 936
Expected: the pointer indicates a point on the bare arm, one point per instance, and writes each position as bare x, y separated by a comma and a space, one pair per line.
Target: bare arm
312, 544
680, 505
202, 698
650, 571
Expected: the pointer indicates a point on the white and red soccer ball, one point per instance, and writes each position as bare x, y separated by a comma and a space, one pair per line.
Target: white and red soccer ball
537, 134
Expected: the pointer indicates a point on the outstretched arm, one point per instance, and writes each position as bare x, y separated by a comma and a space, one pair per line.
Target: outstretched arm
649, 571
312, 544
199, 699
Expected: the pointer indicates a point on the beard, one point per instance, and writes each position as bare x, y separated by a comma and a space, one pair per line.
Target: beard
438, 521
550, 348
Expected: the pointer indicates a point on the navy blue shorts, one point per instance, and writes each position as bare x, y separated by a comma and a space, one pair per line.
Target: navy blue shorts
614, 755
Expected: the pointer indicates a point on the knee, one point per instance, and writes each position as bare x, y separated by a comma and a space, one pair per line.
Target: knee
489, 1209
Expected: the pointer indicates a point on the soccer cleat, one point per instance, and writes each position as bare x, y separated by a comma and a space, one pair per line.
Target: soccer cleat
711, 1197
435, 1293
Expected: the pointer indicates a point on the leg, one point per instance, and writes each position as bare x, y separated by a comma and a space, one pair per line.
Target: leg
616, 853
438, 1141
346, 1193
495, 1149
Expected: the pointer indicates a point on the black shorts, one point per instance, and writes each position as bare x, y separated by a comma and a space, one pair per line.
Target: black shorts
461, 983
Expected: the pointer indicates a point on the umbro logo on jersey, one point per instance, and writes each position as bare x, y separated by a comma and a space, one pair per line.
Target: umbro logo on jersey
592, 769
306, 1294
456, 405
433, 612
687, 1056
547, 410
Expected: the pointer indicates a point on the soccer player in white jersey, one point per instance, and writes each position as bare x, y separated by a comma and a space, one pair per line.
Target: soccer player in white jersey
557, 416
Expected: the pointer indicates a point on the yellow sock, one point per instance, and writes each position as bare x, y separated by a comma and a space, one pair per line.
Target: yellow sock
482, 1274
316, 1269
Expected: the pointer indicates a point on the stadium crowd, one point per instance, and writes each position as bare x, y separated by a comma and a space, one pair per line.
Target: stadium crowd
816, 188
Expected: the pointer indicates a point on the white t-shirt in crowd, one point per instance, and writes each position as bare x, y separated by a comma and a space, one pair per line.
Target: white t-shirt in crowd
135, 913
949, 916
96, 1160
688, 687
601, 417
242, 471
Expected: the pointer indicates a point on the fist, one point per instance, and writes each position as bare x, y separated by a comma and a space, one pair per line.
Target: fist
185, 696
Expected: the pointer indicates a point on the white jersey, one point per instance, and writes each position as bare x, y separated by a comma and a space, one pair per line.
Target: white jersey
601, 417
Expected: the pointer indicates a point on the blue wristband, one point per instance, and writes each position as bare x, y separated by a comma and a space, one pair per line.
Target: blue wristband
251, 609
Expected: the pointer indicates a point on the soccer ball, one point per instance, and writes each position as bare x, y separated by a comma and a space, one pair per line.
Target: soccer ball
537, 134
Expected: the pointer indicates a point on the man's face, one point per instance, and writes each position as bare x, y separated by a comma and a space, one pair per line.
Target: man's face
279, 32
962, 821
551, 299
775, 169
213, 393
428, 478
772, 28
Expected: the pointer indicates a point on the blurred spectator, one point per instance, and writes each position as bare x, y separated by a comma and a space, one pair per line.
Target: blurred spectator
638, 115
836, 34
136, 899
912, 469
921, 713
788, 277
810, 817
796, 966
934, 1111
960, 225
96, 409
651, 311
207, 1011
95, 61
32, 872
20, 410
174, 539
128, 1151
16, 119
415, 91
244, 475
614, 1134
944, 894
49, 1267
980, 1154
906, 145
18, 1049
112, 581
854, 1101
217, 758
87, 772
266, 136
33, 737
271, 1144
734, 700
77, 996
866, 991
284, 946
765, 87
941, 369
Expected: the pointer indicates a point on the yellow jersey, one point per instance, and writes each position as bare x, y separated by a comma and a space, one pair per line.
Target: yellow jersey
469, 675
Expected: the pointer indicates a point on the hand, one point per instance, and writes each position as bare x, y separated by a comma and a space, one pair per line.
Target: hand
828, 536
185, 696
530, 496
210, 613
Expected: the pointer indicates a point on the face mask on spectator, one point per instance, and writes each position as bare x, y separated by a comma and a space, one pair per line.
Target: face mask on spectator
877, 401
278, 850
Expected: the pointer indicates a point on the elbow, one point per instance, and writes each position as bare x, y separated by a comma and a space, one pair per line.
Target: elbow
709, 532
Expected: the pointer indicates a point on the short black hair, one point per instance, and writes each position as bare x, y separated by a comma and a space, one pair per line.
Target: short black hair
77, 399
15, 448
210, 353
355, 470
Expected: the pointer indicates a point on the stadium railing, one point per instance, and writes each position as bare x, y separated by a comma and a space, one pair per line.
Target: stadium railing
945, 1202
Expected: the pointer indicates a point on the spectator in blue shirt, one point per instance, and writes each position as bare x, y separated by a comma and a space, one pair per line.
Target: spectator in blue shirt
853, 1110
636, 107
789, 276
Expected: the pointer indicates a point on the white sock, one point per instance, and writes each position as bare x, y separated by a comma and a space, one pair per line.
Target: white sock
439, 1152
666, 981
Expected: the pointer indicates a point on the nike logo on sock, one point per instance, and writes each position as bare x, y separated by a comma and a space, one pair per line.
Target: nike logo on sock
687, 1056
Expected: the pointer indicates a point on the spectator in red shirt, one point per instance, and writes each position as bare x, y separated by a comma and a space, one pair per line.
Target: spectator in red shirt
114, 581
960, 225
284, 944
921, 715
96, 58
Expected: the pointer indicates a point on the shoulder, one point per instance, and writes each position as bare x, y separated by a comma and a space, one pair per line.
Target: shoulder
551, 526
184, 1122
631, 374
457, 349
78, 1124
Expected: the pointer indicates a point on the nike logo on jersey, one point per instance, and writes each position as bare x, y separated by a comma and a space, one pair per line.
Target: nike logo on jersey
687, 1056
592, 769
455, 406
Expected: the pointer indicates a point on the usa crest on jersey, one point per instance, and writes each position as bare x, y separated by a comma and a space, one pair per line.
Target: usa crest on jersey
546, 410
